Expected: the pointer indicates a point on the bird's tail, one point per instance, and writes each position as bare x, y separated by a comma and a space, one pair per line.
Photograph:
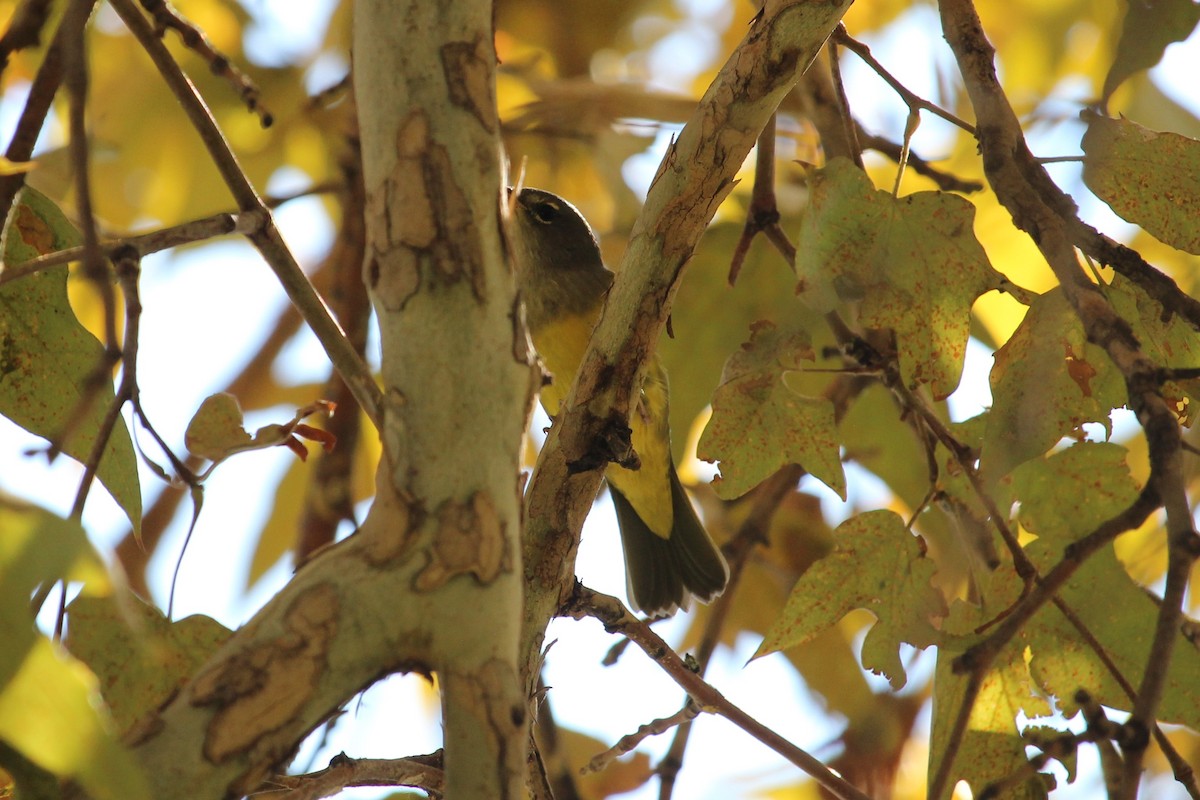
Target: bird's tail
663, 574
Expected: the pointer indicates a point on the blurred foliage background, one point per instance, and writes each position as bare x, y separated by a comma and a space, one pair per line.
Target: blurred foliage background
589, 94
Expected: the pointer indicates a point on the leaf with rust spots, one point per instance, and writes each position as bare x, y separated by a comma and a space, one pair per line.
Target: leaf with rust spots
1169, 342
711, 319
260, 688
991, 749
877, 565
1080, 371
1067, 495
470, 540
1047, 381
1148, 178
37, 547
141, 658
1121, 614
47, 357
912, 263
35, 234
759, 424
49, 716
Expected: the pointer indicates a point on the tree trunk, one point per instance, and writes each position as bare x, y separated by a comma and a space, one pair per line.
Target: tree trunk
432, 580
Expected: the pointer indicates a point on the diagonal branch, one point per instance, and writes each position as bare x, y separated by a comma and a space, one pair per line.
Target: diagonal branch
1039, 207
616, 619
696, 174
267, 239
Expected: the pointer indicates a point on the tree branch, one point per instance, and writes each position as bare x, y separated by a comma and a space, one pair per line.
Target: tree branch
616, 619
696, 174
267, 239
419, 772
1039, 207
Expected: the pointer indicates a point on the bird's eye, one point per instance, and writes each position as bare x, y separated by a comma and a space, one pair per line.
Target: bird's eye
545, 211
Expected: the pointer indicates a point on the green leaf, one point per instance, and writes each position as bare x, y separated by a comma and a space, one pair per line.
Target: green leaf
46, 355
1047, 381
1148, 178
36, 547
1169, 342
1066, 496
759, 425
991, 748
48, 712
215, 431
875, 437
140, 657
912, 262
877, 565
710, 319
1149, 26
48, 709
1122, 616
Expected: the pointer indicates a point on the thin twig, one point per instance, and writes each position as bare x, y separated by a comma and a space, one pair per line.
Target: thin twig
616, 619
629, 742
329, 499
1129, 263
763, 212
267, 239
554, 777
965, 458
1183, 772
144, 244
850, 129
752, 533
419, 772
76, 79
191, 232
1039, 206
977, 659
913, 101
167, 18
24, 28
1100, 730
37, 106
945, 181
738, 550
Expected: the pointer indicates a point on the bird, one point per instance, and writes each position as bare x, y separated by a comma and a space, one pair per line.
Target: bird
669, 556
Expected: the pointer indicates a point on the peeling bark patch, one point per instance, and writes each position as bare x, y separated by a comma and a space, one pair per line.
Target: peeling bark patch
468, 70
427, 233
259, 690
410, 210
457, 253
406, 207
405, 516
470, 539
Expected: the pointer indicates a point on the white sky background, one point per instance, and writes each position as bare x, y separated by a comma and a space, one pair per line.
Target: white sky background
190, 314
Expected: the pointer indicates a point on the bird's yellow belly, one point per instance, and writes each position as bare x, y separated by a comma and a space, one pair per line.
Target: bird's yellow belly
561, 345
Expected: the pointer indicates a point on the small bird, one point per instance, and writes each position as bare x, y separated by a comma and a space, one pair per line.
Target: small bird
669, 557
